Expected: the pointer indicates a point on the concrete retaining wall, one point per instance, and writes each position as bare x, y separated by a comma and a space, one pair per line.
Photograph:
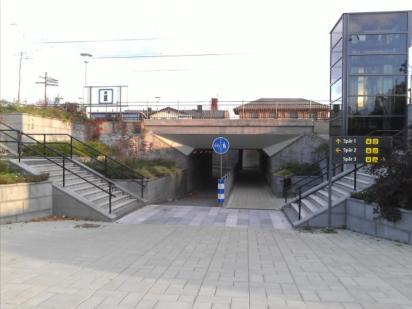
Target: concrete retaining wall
277, 184
25, 201
302, 151
360, 217
34, 124
158, 190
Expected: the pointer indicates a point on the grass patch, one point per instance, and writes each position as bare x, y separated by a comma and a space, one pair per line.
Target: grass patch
9, 175
79, 149
61, 112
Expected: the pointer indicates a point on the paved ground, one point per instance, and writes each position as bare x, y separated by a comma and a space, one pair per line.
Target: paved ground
252, 192
55, 265
208, 216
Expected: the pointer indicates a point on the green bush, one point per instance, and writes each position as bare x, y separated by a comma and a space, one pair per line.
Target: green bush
147, 168
392, 189
299, 169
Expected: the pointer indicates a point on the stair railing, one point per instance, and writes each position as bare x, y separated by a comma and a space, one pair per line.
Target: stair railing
95, 153
21, 144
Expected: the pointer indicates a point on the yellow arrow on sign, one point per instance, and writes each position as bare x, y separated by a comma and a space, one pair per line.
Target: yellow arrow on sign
338, 141
338, 150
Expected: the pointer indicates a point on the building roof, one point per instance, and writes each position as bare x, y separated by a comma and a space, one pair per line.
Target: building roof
281, 104
196, 114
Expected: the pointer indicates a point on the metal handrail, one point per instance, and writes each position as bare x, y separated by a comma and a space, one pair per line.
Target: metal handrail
138, 178
20, 143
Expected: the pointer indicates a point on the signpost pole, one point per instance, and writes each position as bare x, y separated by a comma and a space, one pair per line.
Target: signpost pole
330, 185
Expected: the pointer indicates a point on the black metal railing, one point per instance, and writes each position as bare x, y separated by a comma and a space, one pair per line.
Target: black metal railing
92, 154
18, 139
343, 174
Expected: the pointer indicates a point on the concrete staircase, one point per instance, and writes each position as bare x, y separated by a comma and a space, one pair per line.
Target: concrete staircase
314, 203
87, 198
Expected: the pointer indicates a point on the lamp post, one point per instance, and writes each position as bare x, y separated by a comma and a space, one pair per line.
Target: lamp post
86, 56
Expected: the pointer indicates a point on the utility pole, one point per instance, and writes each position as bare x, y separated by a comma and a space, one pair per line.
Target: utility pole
18, 89
47, 81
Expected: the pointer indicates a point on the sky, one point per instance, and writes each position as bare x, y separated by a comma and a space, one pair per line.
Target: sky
231, 49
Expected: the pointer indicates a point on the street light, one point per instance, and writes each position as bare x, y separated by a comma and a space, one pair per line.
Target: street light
85, 55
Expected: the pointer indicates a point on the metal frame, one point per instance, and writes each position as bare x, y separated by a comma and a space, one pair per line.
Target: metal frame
344, 18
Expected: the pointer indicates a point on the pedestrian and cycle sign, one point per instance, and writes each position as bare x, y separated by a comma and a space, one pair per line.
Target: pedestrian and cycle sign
220, 145
360, 149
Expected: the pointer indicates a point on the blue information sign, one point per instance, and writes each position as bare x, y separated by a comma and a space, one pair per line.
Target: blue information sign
220, 145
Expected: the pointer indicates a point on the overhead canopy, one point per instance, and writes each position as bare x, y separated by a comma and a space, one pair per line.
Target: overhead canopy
186, 143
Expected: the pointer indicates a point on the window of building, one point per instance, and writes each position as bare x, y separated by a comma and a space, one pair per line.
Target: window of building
377, 105
377, 85
336, 71
293, 114
253, 115
377, 43
366, 125
377, 22
273, 115
378, 64
336, 90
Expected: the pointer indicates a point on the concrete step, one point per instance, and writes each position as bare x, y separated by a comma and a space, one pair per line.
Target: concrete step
303, 212
309, 205
324, 194
105, 200
319, 202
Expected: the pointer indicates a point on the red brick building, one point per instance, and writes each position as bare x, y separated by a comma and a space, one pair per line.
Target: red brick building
283, 108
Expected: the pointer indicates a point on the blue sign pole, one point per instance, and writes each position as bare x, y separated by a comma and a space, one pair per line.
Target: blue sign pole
220, 145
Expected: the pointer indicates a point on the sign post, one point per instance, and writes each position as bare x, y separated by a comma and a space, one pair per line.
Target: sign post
220, 145
354, 150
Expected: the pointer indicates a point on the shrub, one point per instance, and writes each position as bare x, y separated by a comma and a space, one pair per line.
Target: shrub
147, 168
392, 189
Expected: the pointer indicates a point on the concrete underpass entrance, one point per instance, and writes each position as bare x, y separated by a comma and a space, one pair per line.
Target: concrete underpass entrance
250, 190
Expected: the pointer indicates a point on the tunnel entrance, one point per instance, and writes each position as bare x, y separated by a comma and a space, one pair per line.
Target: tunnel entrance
249, 189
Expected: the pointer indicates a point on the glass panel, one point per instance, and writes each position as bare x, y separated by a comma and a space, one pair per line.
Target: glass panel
378, 64
336, 90
336, 52
377, 22
377, 85
377, 43
336, 71
365, 125
336, 34
376, 105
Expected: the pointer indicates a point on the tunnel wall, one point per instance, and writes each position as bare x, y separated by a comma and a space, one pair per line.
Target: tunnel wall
229, 160
302, 151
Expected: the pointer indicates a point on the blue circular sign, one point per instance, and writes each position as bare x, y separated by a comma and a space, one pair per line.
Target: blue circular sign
220, 145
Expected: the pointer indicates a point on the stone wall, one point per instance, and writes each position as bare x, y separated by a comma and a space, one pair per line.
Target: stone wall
360, 217
25, 201
302, 151
158, 190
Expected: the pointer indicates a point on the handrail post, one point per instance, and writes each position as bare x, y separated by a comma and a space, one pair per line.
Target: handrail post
44, 144
71, 147
141, 187
110, 197
19, 144
327, 169
64, 170
354, 178
105, 166
300, 203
